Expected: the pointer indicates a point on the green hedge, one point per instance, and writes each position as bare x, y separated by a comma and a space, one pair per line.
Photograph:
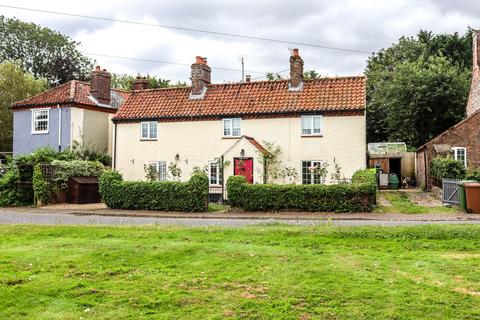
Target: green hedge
359, 196
189, 196
76, 168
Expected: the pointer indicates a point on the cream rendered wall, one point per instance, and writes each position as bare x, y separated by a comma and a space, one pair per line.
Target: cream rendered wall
91, 128
197, 142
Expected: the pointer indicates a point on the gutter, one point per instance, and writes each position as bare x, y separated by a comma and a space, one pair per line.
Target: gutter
114, 146
59, 128
208, 116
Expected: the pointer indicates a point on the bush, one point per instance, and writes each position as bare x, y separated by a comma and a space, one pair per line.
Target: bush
75, 168
365, 176
189, 196
8, 188
41, 188
447, 168
358, 196
473, 174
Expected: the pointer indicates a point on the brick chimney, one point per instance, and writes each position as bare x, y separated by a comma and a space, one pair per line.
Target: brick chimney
201, 75
100, 85
296, 71
140, 83
473, 103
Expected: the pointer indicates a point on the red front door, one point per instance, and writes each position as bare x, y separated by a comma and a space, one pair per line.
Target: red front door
244, 167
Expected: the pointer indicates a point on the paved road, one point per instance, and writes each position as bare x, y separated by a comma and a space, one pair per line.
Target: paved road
70, 219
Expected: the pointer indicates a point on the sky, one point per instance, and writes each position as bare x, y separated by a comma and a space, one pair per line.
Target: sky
363, 25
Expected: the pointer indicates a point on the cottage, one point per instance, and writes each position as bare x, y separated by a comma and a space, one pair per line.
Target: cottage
230, 128
462, 141
74, 111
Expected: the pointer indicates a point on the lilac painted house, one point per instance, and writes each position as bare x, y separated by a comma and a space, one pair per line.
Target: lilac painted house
74, 111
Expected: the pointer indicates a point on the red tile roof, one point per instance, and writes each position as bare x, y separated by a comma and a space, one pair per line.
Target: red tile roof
262, 97
71, 92
257, 145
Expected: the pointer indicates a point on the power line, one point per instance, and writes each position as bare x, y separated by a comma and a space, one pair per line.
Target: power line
165, 62
188, 29
274, 73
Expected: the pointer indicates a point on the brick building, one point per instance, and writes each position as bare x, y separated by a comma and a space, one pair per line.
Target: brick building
462, 141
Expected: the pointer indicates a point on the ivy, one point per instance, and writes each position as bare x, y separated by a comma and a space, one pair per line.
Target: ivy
41, 188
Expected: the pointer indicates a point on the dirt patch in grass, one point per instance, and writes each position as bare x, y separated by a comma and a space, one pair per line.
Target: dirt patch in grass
412, 202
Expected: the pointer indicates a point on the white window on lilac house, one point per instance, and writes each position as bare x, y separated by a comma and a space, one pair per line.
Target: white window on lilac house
40, 121
148, 130
232, 127
312, 125
460, 154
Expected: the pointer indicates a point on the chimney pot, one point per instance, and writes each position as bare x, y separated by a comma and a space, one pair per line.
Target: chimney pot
198, 60
295, 52
248, 78
97, 68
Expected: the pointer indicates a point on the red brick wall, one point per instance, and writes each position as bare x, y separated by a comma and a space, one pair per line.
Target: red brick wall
465, 134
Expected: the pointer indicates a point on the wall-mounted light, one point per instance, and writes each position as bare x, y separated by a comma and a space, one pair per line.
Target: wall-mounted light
177, 157
242, 153
132, 161
186, 161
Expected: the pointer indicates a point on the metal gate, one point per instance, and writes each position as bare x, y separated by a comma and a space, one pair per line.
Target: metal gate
450, 191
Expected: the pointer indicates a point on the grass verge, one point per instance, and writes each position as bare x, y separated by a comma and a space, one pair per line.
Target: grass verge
400, 203
268, 272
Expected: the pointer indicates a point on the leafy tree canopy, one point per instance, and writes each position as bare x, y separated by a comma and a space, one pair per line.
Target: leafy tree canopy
125, 82
43, 52
418, 87
15, 85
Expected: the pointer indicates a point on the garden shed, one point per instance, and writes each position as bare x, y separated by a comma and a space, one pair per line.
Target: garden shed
392, 157
83, 190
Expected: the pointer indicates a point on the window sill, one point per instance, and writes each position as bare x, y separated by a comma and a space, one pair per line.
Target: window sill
215, 186
312, 135
148, 139
231, 137
40, 132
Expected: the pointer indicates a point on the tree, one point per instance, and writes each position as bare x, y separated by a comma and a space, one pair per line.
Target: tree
43, 52
125, 82
15, 85
418, 87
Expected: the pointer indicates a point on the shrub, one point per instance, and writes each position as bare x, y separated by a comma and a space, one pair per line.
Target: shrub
358, 196
365, 176
8, 188
473, 174
75, 168
448, 168
41, 187
154, 195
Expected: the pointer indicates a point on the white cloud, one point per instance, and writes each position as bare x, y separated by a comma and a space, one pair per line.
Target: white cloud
362, 25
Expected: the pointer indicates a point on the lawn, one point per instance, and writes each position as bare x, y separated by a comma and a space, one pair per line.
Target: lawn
261, 272
400, 202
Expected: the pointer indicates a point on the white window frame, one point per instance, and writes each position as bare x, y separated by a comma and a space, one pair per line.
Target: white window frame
210, 173
455, 154
148, 137
231, 135
312, 175
312, 134
160, 176
34, 111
